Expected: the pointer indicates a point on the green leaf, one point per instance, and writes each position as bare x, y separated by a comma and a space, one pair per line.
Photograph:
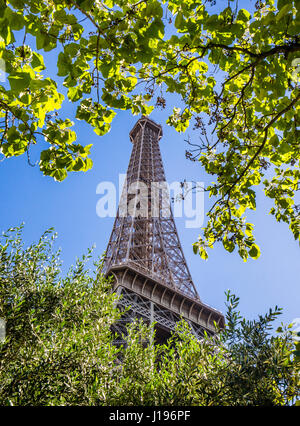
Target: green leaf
74, 93
26, 98
59, 174
19, 81
283, 11
228, 245
243, 15
37, 62
179, 20
274, 141
79, 164
203, 253
254, 252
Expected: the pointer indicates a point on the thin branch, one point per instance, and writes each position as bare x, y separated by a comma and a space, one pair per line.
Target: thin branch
261, 146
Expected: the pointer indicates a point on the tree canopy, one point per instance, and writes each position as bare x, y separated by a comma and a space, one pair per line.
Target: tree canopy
236, 75
59, 348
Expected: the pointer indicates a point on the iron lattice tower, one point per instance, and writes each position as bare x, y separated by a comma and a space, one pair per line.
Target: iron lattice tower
144, 253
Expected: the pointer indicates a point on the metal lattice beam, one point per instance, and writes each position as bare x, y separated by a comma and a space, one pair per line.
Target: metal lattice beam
150, 243
146, 240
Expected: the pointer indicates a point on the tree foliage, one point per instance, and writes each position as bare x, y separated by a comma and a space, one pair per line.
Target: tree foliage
116, 55
59, 346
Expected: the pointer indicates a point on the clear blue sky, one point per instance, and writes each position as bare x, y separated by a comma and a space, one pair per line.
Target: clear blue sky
70, 207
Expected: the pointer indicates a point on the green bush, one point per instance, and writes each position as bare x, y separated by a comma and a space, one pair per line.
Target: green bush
59, 345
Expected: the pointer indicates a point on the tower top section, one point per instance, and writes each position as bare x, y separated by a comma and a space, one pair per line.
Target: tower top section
144, 253
144, 236
141, 124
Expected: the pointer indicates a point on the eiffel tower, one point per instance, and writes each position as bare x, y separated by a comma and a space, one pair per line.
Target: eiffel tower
144, 253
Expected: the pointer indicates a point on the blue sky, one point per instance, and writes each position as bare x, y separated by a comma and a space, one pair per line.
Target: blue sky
70, 207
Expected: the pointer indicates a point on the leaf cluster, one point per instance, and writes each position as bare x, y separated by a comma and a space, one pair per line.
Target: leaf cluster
119, 55
59, 347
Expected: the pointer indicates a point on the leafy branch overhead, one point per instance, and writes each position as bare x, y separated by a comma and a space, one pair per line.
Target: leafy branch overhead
236, 75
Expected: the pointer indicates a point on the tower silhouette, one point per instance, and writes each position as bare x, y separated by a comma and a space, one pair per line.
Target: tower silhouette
144, 253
